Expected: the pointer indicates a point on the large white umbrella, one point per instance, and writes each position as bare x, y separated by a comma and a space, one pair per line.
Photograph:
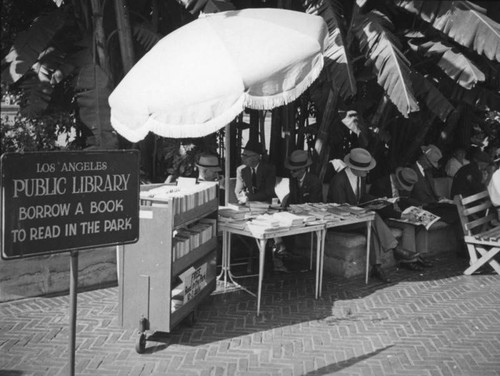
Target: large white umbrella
198, 78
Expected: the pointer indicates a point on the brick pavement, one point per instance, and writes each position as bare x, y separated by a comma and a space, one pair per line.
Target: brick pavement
436, 322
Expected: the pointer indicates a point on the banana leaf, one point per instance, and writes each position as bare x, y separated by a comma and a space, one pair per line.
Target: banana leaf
463, 21
337, 60
94, 88
382, 50
30, 44
455, 64
435, 101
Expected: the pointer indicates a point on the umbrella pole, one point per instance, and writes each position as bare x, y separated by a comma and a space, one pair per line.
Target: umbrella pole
227, 162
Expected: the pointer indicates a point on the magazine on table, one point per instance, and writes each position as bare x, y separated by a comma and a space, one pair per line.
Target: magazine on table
378, 203
418, 216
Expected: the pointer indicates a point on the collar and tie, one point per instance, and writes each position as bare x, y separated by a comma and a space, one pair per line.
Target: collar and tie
254, 180
358, 189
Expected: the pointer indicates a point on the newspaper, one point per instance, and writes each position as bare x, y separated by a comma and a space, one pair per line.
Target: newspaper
418, 217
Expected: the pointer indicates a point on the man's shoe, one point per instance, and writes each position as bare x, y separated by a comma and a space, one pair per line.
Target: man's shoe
403, 255
379, 273
415, 266
424, 262
279, 266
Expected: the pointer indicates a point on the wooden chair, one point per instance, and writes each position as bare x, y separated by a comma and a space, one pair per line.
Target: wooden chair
481, 230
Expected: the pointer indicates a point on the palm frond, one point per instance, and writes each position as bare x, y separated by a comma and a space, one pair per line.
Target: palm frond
29, 44
337, 59
455, 64
435, 101
37, 93
464, 22
94, 89
145, 36
381, 49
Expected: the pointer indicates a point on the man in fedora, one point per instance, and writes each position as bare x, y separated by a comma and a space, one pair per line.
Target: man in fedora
349, 187
208, 167
255, 179
304, 186
427, 197
398, 185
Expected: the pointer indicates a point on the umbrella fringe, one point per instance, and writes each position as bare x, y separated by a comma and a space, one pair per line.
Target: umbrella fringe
270, 102
196, 130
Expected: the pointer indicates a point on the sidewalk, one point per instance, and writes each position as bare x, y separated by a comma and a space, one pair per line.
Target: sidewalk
435, 322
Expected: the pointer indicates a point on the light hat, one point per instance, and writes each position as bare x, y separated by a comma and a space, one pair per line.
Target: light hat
298, 159
432, 153
406, 177
209, 161
360, 159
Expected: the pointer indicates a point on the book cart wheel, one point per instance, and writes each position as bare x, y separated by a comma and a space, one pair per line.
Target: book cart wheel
140, 345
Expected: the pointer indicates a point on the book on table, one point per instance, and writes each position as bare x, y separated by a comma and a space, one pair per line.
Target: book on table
378, 203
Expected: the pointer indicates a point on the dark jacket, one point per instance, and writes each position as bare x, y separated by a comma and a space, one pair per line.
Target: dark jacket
311, 190
423, 190
467, 181
341, 192
382, 188
266, 180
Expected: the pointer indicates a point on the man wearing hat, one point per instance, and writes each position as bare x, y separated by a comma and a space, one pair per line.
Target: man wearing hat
472, 178
398, 185
349, 187
304, 186
423, 190
255, 179
208, 167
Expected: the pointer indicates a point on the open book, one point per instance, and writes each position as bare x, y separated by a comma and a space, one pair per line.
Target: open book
378, 203
418, 216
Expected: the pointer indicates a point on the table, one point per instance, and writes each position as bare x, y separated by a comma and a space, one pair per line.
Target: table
262, 238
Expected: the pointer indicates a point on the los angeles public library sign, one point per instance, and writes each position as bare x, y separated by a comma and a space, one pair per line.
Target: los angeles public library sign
58, 201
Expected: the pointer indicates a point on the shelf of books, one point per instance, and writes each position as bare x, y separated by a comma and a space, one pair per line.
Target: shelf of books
172, 268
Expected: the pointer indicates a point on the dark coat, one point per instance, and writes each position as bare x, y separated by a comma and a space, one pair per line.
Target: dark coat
423, 190
341, 192
266, 180
382, 188
311, 190
467, 181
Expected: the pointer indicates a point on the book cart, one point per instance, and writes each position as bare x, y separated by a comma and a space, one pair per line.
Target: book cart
172, 268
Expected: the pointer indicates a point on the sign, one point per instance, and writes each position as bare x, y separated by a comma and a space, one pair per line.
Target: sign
58, 201
194, 281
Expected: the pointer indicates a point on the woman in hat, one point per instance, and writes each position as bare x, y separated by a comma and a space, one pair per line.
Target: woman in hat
304, 186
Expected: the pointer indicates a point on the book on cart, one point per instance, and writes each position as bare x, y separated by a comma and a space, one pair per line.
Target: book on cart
418, 217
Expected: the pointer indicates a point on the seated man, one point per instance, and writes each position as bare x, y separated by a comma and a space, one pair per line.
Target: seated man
255, 179
304, 187
349, 187
399, 185
425, 194
208, 170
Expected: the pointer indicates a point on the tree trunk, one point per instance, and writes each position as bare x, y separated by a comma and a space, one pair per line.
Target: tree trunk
321, 146
124, 35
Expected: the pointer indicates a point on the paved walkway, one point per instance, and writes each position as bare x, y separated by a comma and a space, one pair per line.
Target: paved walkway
436, 322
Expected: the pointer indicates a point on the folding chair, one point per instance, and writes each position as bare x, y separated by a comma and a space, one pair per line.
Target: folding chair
481, 230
